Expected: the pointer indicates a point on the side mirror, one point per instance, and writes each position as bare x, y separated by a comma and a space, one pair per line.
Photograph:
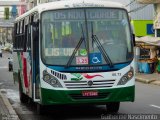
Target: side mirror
35, 30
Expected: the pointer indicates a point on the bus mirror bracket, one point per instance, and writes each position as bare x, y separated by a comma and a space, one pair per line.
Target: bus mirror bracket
35, 29
133, 39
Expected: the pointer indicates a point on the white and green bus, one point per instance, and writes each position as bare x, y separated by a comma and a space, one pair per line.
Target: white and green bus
75, 52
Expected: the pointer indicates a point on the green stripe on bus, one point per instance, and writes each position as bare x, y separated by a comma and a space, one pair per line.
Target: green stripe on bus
51, 97
20, 66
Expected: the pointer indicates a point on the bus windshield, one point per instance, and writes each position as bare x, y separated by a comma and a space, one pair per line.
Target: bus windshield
64, 30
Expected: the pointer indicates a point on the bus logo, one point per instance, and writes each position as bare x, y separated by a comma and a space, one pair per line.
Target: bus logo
83, 52
90, 83
90, 76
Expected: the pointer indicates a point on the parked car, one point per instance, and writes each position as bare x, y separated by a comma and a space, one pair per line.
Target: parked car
7, 47
10, 64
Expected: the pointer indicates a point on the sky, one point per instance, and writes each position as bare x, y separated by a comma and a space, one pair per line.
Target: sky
2, 8
9, 0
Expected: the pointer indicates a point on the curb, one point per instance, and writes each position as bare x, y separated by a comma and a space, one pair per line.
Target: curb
13, 114
157, 82
146, 81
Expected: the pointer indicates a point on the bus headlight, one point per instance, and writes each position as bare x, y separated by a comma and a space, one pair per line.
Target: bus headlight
51, 79
46, 77
125, 78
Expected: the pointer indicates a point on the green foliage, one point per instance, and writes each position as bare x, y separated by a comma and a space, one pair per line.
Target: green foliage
6, 13
158, 67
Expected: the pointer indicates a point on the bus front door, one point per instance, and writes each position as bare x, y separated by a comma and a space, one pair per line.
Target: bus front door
35, 62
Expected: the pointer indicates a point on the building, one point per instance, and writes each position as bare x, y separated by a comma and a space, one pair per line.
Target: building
33, 3
141, 22
156, 18
6, 25
22, 8
137, 11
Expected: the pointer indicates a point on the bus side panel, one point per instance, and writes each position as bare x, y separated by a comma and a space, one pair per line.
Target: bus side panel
22, 66
26, 71
15, 66
29, 73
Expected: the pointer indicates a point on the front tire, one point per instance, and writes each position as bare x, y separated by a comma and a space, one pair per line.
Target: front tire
40, 109
10, 69
113, 107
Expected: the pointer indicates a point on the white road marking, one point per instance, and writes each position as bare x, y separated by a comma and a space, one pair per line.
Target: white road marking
155, 106
3, 67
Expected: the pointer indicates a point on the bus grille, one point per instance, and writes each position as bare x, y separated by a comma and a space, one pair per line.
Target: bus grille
84, 84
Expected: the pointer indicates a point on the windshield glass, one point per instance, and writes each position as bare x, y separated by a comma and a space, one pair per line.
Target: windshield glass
65, 30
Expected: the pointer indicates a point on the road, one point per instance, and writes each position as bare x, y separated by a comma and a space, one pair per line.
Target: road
147, 101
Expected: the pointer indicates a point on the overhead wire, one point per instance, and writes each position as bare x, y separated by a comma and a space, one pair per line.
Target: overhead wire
139, 8
130, 3
136, 9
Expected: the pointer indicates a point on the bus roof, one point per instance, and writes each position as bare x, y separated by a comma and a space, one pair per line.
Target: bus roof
63, 4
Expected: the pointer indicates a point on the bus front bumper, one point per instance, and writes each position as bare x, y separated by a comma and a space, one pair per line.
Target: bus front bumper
55, 97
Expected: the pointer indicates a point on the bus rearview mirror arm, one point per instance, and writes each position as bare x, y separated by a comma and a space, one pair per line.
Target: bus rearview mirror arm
133, 39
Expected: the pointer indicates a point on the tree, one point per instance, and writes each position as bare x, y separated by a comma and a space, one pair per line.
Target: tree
6, 13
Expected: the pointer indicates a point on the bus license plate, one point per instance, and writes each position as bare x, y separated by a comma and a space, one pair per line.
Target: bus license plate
89, 93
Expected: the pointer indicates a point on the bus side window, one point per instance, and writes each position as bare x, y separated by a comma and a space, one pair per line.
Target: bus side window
17, 36
25, 36
28, 37
14, 36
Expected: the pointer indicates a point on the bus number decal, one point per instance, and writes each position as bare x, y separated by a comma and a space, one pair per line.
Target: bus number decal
116, 74
81, 60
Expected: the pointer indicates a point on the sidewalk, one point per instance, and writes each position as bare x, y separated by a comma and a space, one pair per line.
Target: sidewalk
153, 78
6, 110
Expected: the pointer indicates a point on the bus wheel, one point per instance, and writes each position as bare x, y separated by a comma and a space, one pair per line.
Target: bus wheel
23, 98
40, 109
113, 107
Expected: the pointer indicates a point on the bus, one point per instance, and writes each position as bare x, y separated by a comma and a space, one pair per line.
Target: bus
72, 52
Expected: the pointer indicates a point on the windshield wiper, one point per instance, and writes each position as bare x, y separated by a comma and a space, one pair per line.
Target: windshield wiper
76, 48
100, 47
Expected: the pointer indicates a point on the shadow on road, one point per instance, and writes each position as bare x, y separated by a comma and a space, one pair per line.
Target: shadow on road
66, 112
